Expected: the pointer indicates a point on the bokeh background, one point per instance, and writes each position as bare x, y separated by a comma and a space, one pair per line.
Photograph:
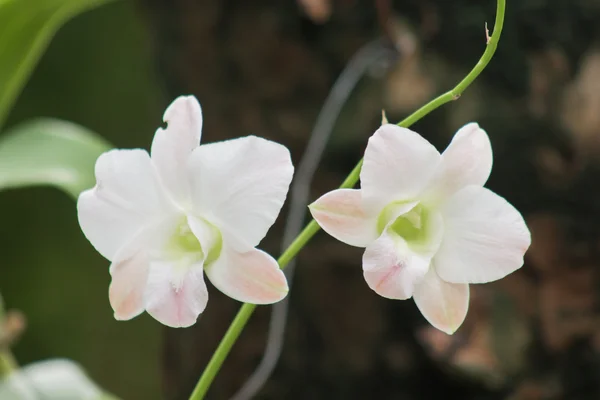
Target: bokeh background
98, 71
266, 67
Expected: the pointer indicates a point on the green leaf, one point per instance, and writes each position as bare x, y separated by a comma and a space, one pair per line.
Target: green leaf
50, 152
53, 379
26, 27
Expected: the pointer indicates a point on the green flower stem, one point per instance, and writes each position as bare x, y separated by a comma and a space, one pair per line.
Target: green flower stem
309, 231
243, 316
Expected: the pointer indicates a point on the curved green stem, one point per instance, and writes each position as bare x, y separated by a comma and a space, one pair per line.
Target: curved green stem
244, 314
309, 231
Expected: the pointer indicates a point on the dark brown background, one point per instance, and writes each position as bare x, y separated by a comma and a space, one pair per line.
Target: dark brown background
266, 66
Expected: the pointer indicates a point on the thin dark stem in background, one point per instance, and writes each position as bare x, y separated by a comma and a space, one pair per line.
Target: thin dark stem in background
366, 57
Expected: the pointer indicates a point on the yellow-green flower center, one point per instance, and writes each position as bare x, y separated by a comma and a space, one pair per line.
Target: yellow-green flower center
183, 244
184, 240
413, 226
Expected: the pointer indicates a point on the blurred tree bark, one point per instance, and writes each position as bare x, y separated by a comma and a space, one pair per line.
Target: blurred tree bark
265, 67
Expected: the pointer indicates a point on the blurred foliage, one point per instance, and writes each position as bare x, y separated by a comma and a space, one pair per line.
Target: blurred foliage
26, 28
56, 379
95, 73
50, 152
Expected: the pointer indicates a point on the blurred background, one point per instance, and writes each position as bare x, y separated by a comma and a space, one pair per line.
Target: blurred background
98, 71
266, 68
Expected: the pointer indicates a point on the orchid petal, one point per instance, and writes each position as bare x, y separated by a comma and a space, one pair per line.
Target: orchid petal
126, 290
340, 214
398, 165
485, 237
391, 268
127, 198
176, 293
239, 186
466, 161
443, 304
207, 235
251, 277
172, 146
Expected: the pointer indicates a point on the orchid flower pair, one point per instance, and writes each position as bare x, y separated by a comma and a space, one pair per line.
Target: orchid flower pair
166, 218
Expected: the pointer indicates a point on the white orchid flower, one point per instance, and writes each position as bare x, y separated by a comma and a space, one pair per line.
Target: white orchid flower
165, 219
429, 226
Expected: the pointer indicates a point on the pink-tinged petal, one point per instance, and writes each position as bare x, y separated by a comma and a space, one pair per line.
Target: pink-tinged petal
129, 269
467, 161
176, 293
443, 304
126, 291
340, 214
485, 237
398, 165
251, 277
391, 268
240, 185
172, 146
127, 198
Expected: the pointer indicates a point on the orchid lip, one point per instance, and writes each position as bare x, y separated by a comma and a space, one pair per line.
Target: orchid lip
215, 251
183, 244
414, 225
390, 212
